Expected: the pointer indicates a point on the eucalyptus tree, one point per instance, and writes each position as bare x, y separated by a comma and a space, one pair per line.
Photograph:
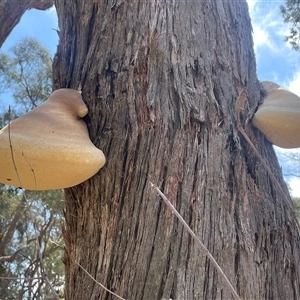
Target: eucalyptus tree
169, 85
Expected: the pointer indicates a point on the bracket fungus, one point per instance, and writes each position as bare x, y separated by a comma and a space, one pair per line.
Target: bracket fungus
278, 118
49, 147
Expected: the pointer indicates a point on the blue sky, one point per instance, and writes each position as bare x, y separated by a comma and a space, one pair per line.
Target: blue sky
38, 24
275, 59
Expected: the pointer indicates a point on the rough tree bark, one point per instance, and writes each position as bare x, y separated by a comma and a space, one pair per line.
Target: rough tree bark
161, 79
11, 12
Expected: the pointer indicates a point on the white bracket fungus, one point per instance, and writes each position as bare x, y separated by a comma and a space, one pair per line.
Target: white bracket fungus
49, 147
278, 118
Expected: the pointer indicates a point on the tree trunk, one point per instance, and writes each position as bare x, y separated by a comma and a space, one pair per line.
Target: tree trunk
162, 81
11, 12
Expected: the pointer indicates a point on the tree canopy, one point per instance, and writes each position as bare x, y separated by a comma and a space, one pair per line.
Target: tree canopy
30, 222
291, 14
27, 72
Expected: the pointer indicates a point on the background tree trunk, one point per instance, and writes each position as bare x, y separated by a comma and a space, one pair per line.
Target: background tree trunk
12, 11
161, 80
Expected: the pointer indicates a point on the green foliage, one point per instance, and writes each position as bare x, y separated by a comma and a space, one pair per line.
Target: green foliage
37, 233
30, 226
7, 116
4, 69
27, 72
291, 14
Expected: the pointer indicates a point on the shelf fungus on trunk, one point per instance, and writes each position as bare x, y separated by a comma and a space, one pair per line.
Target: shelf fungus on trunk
278, 118
49, 147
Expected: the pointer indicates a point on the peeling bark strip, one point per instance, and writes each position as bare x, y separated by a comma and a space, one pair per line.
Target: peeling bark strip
11, 12
161, 80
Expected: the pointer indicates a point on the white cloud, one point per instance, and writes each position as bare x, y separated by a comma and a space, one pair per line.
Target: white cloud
294, 85
251, 4
269, 29
290, 166
282, 30
294, 184
260, 38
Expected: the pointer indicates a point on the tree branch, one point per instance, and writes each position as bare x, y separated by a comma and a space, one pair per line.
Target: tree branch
294, 175
12, 225
12, 257
11, 13
41, 4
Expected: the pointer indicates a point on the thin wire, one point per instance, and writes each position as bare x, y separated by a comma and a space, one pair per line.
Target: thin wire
98, 281
209, 255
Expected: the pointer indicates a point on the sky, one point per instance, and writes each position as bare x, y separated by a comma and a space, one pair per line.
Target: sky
41, 25
275, 59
